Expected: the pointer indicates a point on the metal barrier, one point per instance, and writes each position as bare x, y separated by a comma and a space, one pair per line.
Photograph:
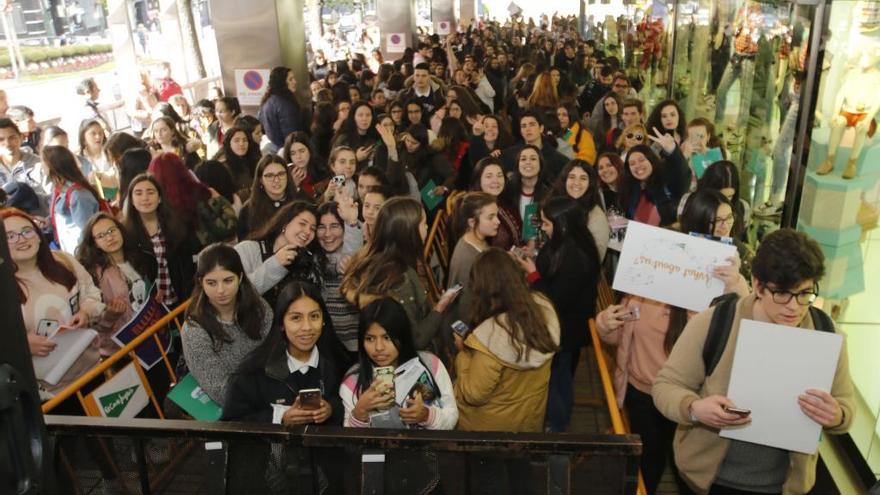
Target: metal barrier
260, 458
104, 366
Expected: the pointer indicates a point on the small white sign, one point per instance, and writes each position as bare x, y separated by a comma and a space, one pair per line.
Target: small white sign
443, 27
767, 377
251, 85
395, 42
122, 396
670, 267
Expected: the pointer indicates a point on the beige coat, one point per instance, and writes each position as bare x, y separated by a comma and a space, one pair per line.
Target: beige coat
699, 451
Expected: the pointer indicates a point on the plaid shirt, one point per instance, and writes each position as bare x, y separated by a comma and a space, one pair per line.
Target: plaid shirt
163, 278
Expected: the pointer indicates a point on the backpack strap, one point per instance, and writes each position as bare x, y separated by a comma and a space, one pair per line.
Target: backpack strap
821, 320
719, 330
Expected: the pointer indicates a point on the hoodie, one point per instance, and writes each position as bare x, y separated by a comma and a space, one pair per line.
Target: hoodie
496, 391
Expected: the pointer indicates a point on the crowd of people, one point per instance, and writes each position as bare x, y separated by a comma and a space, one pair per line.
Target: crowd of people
297, 235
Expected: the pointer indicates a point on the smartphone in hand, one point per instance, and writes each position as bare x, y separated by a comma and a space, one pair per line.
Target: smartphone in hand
310, 398
743, 413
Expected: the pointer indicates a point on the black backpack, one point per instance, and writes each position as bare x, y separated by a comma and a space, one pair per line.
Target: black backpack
722, 321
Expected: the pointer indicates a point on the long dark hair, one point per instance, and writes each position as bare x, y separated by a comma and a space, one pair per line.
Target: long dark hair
390, 315
655, 121
499, 288
513, 187
172, 229
395, 246
240, 165
311, 261
700, 210
134, 161
628, 186
216, 176
249, 310
316, 167
83, 127
590, 198
63, 167
468, 207
348, 133
54, 270
723, 174
260, 206
95, 260
570, 232
329, 346
278, 86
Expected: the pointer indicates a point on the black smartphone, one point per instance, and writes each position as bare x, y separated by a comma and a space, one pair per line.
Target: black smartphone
310, 398
738, 411
460, 328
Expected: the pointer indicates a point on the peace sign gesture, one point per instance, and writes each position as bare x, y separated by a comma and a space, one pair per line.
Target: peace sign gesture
666, 141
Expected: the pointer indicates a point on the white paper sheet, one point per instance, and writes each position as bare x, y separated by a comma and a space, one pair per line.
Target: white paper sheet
670, 267
772, 366
70, 346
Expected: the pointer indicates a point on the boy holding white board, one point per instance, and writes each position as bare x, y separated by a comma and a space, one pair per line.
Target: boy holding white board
692, 387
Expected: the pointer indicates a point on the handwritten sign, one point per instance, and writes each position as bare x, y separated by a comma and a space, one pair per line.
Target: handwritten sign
148, 352
670, 267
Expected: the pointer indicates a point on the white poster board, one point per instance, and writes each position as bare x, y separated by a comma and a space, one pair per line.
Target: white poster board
395, 42
772, 366
251, 85
670, 267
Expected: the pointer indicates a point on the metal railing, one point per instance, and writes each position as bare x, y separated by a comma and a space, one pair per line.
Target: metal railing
254, 457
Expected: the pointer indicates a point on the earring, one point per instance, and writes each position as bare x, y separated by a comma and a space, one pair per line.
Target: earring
283, 229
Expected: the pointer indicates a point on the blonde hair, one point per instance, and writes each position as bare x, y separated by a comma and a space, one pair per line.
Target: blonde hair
634, 128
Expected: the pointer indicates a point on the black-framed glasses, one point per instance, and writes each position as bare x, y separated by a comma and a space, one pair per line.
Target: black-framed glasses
804, 298
25, 233
274, 177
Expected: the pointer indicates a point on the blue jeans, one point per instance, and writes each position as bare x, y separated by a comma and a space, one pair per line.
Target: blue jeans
561, 390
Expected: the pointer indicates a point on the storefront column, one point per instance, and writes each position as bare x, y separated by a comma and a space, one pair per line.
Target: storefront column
396, 17
119, 25
443, 11
468, 10
169, 24
247, 38
292, 38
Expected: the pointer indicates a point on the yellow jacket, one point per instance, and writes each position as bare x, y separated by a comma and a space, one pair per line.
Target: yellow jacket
582, 141
495, 391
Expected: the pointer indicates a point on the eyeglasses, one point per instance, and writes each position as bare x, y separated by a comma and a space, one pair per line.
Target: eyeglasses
804, 298
637, 137
100, 236
274, 177
25, 233
725, 221
621, 85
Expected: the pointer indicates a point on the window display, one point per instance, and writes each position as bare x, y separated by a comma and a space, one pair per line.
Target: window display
840, 198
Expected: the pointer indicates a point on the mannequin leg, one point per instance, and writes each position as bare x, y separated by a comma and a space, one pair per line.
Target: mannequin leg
731, 72
838, 125
782, 153
858, 145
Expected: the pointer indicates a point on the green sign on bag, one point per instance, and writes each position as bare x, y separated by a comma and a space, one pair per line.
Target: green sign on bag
529, 225
430, 199
191, 398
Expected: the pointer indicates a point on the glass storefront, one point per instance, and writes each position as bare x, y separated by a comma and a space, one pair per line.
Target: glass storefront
841, 196
802, 136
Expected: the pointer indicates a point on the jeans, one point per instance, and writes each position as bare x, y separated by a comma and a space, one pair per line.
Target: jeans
656, 432
744, 70
782, 151
560, 398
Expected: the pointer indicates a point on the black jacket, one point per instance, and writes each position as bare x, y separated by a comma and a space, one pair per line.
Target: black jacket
252, 389
665, 194
572, 290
